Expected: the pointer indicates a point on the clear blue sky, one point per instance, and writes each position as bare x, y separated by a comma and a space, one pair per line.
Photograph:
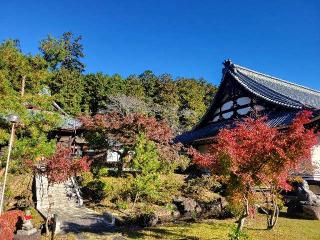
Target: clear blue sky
180, 37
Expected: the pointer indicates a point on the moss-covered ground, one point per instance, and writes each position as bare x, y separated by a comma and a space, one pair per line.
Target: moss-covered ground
286, 229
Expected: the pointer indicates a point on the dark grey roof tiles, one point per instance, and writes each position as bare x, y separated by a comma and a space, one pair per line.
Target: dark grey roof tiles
207, 131
274, 119
276, 90
70, 123
294, 97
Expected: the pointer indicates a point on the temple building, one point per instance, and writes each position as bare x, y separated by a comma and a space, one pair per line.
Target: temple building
244, 92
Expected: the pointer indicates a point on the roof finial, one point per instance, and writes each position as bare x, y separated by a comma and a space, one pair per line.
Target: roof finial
228, 64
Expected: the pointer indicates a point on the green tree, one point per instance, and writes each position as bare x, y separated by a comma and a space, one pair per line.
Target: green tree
146, 162
150, 83
99, 88
22, 77
68, 89
168, 91
195, 97
65, 52
95, 94
134, 87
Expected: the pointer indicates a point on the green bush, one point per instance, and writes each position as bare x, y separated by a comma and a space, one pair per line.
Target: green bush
95, 190
86, 177
202, 189
103, 172
238, 235
122, 204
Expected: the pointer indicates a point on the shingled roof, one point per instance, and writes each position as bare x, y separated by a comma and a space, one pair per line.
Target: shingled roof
275, 119
274, 89
291, 96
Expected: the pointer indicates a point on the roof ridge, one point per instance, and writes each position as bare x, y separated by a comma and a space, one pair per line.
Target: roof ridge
278, 79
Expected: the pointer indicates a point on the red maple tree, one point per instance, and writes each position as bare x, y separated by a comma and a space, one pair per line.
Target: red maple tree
59, 168
124, 129
253, 154
62, 165
8, 221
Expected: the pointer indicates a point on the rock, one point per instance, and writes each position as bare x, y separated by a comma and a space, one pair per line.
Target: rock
176, 214
189, 208
311, 212
305, 195
216, 209
306, 205
186, 205
35, 236
147, 219
303, 211
211, 210
166, 215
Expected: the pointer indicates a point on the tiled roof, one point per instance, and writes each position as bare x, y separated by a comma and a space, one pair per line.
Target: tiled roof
274, 119
276, 90
70, 123
207, 131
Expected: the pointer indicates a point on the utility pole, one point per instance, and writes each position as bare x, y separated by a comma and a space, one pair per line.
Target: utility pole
13, 119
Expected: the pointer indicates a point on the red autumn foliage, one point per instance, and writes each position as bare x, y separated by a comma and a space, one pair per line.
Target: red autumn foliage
62, 165
255, 154
125, 129
8, 221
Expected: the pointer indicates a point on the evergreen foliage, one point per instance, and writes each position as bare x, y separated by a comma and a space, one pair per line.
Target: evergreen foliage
30, 83
146, 162
34, 108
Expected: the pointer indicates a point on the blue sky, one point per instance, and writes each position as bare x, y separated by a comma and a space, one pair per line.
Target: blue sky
180, 37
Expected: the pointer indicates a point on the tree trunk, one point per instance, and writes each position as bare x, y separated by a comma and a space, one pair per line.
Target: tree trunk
23, 84
121, 162
48, 212
135, 200
274, 215
244, 215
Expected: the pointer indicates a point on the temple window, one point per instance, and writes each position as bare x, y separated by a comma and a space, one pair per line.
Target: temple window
227, 115
243, 101
243, 111
216, 118
227, 105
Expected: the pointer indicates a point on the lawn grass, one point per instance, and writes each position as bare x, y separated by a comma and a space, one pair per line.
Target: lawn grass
286, 229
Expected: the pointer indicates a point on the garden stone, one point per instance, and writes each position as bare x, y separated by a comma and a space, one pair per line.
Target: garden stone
176, 214
211, 210
311, 212
165, 215
306, 205
148, 219
186, 205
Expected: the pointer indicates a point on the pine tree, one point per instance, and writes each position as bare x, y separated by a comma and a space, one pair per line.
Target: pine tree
146, 162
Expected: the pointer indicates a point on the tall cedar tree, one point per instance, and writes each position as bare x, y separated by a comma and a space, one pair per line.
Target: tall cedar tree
254, 154
64, 52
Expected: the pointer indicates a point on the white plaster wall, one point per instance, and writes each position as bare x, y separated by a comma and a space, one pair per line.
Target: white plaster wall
113, 156
315, 157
